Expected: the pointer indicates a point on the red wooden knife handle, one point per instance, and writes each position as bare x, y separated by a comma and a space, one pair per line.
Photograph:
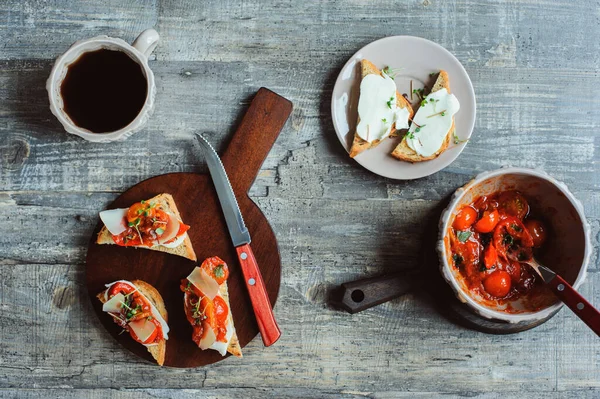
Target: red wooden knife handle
582, 308
269, 330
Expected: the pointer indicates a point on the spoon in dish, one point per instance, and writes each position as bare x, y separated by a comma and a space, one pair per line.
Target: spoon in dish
567, 294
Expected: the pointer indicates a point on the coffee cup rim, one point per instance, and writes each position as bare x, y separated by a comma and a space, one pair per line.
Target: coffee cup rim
58, 74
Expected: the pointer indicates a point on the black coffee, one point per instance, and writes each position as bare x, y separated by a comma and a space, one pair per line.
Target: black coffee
104, 90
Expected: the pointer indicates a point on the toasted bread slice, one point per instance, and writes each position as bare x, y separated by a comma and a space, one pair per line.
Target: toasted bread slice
157, 351
234, 344
404, 152
185, 249
358, 144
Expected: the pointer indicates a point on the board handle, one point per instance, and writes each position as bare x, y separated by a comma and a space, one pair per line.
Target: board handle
255, 137
582, 308
359, 295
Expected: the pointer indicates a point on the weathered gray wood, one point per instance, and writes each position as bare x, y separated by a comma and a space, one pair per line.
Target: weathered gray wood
534, 65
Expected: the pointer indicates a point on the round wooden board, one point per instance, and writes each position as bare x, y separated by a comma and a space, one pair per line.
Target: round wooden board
198, 204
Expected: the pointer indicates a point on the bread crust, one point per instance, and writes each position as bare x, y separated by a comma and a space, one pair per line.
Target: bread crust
234, 344
404, 153
149, 292
185, 249
358, 144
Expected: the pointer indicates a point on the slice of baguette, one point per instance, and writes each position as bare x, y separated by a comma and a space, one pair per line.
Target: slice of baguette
234, 344
185, 249
157, 351
359, 145
404, 153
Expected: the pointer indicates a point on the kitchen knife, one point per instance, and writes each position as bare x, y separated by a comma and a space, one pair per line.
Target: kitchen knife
269, 330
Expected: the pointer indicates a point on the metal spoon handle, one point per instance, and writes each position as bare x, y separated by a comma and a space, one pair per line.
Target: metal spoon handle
582, 308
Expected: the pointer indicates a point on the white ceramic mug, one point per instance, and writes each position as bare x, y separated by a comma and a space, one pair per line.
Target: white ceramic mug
140, 51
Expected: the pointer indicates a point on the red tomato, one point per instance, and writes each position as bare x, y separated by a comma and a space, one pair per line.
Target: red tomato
488, 221
537, 231
514, 204
465, 218
490, 257
221, 313
216, 268
512, 240
514, 269
497, 284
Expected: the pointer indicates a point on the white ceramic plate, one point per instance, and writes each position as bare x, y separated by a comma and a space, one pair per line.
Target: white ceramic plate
417, 58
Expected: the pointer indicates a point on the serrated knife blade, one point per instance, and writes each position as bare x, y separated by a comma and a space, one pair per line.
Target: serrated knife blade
233, 216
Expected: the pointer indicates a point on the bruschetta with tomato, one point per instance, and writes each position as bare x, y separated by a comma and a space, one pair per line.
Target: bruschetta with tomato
153, 224
138, 308
207, 308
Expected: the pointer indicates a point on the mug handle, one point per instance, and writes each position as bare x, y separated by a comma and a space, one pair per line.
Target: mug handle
146, 42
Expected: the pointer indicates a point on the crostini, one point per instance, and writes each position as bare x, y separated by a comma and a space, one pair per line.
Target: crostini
139, 309
381, 109
207, 308
432, 127
153, 224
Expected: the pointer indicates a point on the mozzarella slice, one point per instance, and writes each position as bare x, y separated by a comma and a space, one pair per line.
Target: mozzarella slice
208, 337
171, 230
176, 243
204, 282
114, 220
143, 328
114, 304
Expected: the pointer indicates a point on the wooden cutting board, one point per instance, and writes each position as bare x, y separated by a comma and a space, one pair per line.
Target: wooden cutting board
197, 202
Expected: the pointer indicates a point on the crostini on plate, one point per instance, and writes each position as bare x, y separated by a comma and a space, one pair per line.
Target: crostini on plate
381, 109
432, 127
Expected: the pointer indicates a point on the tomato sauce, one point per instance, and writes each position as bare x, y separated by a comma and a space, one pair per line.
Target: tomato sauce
135, 307
490, 239
200, 311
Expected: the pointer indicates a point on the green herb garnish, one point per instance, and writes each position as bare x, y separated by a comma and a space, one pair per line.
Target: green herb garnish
389, 103
458, 259
463, 236
142, 202
457, 140
516, 228
384, 120
219, 272
508, 240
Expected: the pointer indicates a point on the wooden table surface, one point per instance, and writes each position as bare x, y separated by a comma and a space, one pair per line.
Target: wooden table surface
534, 66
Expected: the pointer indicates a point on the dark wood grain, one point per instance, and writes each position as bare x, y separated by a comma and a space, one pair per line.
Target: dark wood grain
359, 295
199, 207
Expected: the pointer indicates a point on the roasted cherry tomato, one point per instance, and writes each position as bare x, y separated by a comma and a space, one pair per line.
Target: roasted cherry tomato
221, 313
514, 269
537, 231
216, 268
512, 203
512, 240
465, 218
490, 257
488, 221
497, 284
